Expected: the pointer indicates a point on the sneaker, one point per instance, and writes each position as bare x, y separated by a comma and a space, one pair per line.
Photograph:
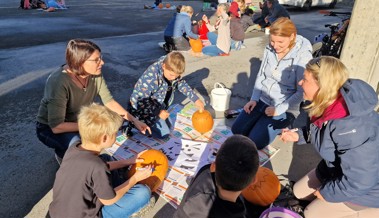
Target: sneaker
143, 211
161, 44
223, 54
243, 46
59, 160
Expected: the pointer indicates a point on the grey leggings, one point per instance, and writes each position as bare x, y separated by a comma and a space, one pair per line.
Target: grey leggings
305, 188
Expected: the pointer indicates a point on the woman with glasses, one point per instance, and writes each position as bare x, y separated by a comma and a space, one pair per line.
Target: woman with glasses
276, 96
345, 131
72, 86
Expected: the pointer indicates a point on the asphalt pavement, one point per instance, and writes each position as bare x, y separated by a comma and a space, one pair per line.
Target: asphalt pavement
32, 45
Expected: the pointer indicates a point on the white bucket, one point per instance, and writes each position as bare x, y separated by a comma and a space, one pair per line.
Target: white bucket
220, 97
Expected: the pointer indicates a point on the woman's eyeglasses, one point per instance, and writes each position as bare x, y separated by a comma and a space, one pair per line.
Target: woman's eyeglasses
97, 60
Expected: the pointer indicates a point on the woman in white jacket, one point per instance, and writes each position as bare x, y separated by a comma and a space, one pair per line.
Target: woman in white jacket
276, 96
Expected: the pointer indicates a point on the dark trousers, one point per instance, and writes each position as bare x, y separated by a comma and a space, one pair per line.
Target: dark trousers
60, 142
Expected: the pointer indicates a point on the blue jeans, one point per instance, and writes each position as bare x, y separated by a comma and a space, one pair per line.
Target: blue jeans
212, 50
136, 198
161, 129
259, 127
60, 142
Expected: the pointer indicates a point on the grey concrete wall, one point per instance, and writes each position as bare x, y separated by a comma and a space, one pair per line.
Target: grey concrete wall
361, 50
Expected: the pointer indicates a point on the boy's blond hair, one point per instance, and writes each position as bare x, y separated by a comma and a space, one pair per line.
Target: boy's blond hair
186, 8
175, 62
96, 120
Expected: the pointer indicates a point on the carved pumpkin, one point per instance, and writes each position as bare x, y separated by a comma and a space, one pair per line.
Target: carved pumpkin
159, 163
202, 121
160, 6
264, 190
196, 45
168, 5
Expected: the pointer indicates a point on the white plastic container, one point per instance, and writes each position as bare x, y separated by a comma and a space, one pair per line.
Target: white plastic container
220, 97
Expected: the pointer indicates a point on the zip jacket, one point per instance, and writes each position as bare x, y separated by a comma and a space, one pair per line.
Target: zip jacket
349, 147
153, 85
277, 80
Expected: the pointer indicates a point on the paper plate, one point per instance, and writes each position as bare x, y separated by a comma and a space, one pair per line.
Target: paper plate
279, 212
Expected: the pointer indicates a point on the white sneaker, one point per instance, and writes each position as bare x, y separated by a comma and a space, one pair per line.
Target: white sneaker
243, 46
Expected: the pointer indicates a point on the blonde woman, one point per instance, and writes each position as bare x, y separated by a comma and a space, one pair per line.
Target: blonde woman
344, 130
276, 96
181, 30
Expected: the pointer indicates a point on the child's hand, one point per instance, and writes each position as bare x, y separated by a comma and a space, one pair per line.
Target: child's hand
164, 114
143, 173
200, 105
289, 135
205, 18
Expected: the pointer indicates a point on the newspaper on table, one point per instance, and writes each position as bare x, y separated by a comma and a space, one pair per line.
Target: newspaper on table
186, 149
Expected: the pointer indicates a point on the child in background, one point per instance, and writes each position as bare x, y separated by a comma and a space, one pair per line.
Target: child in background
237, 8
247, 21
216, 189
237, 32
83, 186
220, 42
154, 93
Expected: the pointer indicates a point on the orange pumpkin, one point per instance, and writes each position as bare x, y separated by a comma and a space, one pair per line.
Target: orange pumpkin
159, 163
264, 190
196, 45
202, 121
168, 5
160, 5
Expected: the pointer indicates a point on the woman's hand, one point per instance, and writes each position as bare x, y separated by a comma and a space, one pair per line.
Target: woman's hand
164, 114
249, 106
205, 18
143, 173
200, 105
270, 111
289, 136
141, 126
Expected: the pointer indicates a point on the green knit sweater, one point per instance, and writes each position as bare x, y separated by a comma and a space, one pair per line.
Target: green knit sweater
63, 99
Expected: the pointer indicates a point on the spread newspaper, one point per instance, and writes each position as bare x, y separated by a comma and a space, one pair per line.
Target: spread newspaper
186, 149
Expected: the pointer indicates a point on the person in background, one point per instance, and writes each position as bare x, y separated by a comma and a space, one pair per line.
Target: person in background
276, 11
169, 32
181, 30
276, 96
344, 131
72, 86
220, 42
247, 21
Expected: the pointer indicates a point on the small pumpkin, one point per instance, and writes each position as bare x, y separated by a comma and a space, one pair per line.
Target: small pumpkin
168, 5
264, 190
202, 121
160, 6
159, 163
196, 45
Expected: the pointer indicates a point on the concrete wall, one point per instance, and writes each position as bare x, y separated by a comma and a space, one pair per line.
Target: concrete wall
361, 49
